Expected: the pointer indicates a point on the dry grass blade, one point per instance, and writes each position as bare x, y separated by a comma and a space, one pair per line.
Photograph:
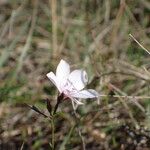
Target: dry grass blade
4, 29
99, 37
15, 14
107, 12
116, 26
66, 139
5, 55
131, 98
125, 67
29, 38
127, 96
137, 25
125, 105
22, 146
53, 5
139, 44
61, 47
146, 3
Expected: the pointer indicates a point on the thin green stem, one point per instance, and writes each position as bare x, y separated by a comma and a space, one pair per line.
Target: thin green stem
53, 133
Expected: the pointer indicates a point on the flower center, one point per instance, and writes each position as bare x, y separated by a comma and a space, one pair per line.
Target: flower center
69, 88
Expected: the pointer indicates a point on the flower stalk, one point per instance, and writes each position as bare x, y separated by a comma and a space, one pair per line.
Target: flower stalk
53, 133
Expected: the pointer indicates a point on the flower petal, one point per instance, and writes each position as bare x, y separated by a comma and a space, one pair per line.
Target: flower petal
85, 94
62, 71
78, 78
54, 80
75, 103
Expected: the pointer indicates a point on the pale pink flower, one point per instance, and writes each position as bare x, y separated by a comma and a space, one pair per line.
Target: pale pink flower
71, 84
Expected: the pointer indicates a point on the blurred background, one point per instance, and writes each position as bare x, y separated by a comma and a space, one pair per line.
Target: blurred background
91, 34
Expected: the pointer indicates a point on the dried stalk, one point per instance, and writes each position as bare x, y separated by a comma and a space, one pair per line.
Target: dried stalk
53, 6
